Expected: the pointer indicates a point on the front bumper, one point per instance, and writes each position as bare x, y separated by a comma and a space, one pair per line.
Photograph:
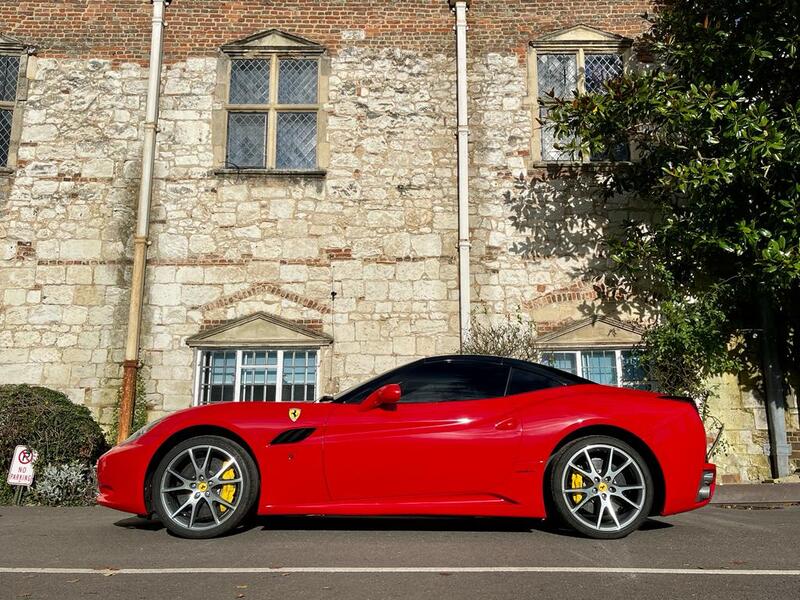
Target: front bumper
121, 476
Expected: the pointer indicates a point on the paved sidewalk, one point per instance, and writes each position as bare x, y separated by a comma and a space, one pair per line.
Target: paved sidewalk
757, 493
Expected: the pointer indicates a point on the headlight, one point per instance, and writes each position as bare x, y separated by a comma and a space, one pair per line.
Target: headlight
140, 432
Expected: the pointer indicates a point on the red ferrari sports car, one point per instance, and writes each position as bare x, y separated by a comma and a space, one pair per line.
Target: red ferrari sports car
450, 435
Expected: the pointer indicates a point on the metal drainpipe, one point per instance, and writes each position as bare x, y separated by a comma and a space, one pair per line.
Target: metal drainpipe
460, 8
140, 241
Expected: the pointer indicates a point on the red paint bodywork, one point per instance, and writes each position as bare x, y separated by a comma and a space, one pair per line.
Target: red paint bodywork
478, 457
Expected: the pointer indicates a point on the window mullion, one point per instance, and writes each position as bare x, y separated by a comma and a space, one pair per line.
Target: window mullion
317, 361
279, 378
618, 359
272, 118
579, 362
237, 378
198, 361
580, 63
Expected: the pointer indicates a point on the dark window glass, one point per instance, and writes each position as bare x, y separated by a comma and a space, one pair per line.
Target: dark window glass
437, 382
9, 73
218, 374
298, 81
529, 381
451, 381
247, 140
6, 117
600, 68
250, 81
297, 140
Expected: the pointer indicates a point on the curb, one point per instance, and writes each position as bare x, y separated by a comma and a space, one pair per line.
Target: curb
757, 493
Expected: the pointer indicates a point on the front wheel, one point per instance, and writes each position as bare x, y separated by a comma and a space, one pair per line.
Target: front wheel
601, 487
204, 487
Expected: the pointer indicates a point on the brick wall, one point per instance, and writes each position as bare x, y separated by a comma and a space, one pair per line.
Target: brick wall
119, 29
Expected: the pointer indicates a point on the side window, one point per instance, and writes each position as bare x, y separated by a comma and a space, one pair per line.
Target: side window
529, 381
452, 381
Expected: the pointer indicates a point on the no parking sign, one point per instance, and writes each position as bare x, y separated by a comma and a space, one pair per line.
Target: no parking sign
21, 471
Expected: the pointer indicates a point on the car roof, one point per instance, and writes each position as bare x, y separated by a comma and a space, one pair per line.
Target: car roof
488, 359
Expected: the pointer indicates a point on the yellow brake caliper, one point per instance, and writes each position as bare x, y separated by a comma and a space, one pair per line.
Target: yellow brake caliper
577, 483
227, 492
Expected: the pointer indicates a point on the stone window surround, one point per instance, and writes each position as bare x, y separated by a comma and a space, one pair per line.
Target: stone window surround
291, 46
260, 331
578, 40
11, 47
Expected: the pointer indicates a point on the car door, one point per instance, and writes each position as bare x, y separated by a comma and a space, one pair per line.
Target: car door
452, 435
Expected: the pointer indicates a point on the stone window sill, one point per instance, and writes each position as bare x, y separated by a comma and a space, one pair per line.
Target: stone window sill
595, 165
279, 173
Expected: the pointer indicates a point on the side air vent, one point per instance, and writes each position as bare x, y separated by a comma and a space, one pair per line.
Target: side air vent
292, 436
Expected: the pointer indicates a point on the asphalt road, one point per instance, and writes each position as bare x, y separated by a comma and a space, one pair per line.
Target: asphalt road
97, 553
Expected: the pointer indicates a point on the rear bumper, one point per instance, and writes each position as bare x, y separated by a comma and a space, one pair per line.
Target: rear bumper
708, 484
120, 477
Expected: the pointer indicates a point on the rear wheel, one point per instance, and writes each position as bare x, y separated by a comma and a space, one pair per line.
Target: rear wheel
601, 487
204, 487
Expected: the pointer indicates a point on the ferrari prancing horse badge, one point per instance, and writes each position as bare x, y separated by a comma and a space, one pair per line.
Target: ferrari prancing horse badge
294, 414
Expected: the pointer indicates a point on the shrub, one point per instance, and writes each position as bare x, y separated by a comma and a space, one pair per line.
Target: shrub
46, 420
68, 484
512, 338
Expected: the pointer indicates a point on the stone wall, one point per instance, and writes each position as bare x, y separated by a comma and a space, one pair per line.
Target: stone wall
379, 229
66, 226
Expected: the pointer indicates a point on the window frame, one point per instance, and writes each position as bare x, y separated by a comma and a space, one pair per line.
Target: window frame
238, 368
272, 108
579, 49
272, 44
618, 362
15, 49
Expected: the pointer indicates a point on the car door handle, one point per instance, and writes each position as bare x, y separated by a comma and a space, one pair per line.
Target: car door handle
507, 424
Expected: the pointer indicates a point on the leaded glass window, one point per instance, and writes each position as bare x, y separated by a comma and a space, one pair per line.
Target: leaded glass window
6, 117
561, 75
9, 74
558, 75
257, 375
273, 107
250, 81
600, 68
247, 139
9, 77
298, 81
297, 140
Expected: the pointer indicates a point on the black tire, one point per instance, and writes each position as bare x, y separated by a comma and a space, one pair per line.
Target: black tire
207, 495
629, 506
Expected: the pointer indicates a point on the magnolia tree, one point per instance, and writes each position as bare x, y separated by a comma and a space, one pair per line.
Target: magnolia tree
713, 120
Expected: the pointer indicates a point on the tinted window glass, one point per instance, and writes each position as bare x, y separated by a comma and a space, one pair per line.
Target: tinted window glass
450, 381
437, 382
529, 381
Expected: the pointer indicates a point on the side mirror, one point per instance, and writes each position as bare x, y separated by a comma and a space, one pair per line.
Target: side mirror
388, 395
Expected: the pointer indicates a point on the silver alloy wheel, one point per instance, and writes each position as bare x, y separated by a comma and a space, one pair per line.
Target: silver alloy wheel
195, 487
604, 487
